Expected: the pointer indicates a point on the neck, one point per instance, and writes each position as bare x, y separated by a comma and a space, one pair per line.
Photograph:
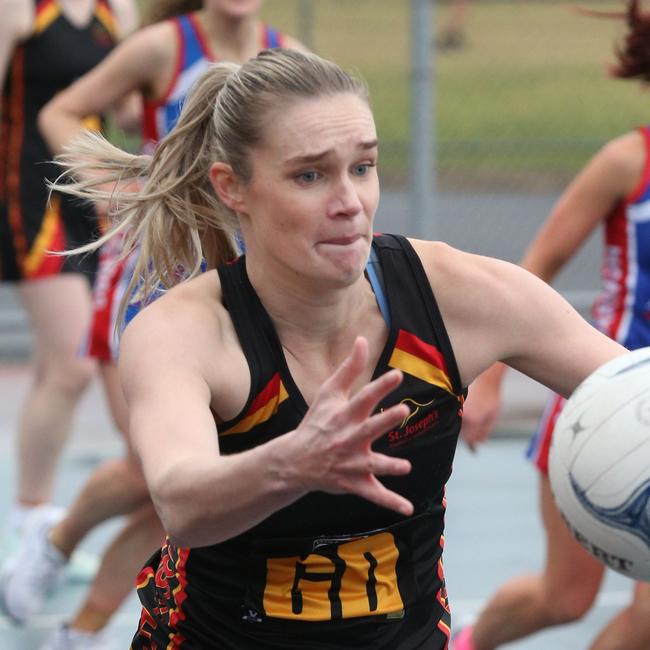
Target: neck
320, 314
317, 324
231, 39
77, 12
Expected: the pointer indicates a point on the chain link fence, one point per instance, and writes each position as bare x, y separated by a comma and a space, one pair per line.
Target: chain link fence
522, 100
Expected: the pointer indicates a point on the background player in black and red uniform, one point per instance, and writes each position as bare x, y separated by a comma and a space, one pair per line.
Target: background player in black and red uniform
44, 46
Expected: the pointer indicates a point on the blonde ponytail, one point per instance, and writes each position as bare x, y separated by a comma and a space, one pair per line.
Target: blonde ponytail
163, 203
173, 214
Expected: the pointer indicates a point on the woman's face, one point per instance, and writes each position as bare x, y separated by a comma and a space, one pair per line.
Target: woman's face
234, 8
310, 203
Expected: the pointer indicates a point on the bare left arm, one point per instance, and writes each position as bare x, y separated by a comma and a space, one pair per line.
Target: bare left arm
613, 174
496, 311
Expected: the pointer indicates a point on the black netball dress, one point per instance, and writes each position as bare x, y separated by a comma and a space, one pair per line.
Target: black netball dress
327, 571
55, 54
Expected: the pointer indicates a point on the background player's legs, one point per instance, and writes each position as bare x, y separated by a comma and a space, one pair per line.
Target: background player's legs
562, 593
123, 559
630, 629
59, 309
116, 487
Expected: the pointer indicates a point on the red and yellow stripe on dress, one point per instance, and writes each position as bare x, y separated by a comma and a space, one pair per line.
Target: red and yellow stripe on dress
106, 18
46, 13
446, 630
176, 614
144, 577
40, 262
444, 624
264, 406
422, 360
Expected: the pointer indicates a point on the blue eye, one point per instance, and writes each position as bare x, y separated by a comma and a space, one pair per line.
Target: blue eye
308, 177
362, 170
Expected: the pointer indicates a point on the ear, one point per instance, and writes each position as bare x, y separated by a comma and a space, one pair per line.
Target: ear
228, 186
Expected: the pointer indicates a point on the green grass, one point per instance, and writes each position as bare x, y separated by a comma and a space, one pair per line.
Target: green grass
526, 102
529, 95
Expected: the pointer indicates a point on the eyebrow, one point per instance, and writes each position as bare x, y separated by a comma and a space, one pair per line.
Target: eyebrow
315, 157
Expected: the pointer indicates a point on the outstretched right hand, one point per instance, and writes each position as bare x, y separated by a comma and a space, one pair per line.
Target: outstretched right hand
333, 442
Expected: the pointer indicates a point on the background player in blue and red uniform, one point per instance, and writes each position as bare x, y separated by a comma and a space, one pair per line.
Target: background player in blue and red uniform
296, 416
613, 191
171, 53
45, 45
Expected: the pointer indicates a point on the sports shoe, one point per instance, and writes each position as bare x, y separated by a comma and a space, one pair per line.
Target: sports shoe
65, 638
31, 574
462, 640
82, 567
10, 540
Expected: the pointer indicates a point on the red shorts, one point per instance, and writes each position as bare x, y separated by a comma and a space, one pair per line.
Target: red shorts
112, 280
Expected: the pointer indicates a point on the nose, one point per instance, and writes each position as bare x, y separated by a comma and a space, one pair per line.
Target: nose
345, 198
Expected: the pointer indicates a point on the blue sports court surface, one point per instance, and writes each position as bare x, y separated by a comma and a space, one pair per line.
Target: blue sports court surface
493, 531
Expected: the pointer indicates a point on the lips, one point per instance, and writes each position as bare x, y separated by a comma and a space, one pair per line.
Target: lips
342, 241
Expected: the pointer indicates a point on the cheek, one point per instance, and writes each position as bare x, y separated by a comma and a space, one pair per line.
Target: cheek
370, 195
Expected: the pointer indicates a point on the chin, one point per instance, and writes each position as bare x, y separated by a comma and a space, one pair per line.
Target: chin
238, 8
349, 267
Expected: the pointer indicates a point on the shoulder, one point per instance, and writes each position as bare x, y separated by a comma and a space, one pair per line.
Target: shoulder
158, 39
441, 260
494, 310
467, 284
180, 325
623, 159
186, 336
626, 149
152, 47
155, 36
184, 306
17, 19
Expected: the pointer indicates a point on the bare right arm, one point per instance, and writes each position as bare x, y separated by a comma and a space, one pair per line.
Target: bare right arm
17, 17
168, 358
611, 176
